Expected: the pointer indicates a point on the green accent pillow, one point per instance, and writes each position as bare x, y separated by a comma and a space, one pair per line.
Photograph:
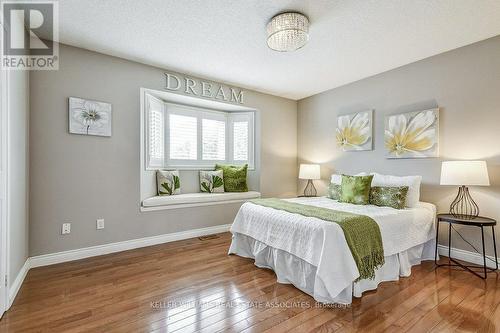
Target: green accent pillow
235, 177
334, 191
394, 197
168, 182
356, 189
212, 181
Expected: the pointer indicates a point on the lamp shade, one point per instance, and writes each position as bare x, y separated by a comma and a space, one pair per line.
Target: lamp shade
474, 173
309, 171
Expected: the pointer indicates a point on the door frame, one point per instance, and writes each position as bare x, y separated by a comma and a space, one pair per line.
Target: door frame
4, 169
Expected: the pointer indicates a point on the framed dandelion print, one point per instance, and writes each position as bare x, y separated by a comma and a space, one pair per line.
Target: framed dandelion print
354, 131
412, 135
89, 117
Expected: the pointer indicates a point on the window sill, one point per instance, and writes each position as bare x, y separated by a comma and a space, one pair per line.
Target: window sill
192, 168
187, 200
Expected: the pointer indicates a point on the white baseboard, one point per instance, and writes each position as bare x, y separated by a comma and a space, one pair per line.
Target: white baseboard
471, 257
98, 250
16, 284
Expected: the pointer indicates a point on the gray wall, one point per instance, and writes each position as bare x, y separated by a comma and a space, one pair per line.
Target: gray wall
18, 99
79, 179
464, 83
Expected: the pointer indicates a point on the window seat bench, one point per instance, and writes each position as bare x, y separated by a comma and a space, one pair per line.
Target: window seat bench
186, 200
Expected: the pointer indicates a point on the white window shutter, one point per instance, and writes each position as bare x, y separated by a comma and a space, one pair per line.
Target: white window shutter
242, 138
240, 141
213, 139
156, 132
183, 137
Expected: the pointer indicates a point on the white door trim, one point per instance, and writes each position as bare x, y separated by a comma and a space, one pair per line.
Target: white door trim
4, 169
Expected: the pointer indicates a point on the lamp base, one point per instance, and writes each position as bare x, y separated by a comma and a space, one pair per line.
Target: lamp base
310, 190
464, 206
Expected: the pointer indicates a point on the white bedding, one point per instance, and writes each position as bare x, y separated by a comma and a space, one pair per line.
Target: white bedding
322, 244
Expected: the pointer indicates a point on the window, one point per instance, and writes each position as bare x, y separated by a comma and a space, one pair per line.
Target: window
182, 137
188, 137
240, 142
213, 139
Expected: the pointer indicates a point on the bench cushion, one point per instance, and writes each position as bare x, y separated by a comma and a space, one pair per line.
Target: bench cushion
193, 198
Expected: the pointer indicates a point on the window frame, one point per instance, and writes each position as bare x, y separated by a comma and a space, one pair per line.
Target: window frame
200, 113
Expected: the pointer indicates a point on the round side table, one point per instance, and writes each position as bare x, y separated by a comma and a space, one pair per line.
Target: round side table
480, 222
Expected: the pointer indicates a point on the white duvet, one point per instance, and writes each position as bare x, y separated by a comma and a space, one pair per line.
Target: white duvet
322, 243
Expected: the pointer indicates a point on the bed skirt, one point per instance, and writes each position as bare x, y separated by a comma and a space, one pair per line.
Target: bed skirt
290, 269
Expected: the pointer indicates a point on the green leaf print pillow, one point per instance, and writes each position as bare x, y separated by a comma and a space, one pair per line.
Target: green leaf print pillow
394, 197
356, 189
168, 182
212, 181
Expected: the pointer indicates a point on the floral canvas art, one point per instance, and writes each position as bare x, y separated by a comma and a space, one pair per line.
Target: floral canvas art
412, 135
89, 117
354, 131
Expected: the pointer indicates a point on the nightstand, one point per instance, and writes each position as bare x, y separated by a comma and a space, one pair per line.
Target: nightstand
479, 222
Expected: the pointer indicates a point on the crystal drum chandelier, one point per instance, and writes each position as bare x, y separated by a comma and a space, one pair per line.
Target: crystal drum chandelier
287, 32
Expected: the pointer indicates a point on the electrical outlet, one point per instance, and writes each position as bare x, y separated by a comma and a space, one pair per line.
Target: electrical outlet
66, 228
99, 223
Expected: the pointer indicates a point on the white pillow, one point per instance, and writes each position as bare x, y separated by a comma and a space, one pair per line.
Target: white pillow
413, 183
337, 179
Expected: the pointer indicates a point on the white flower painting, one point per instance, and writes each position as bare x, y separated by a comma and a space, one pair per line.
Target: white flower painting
354, 131
412, 135
89, 117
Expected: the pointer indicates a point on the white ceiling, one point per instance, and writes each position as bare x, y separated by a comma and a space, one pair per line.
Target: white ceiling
225, 40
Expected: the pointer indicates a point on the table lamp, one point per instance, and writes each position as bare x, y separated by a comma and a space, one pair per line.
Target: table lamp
463, 174
309, 172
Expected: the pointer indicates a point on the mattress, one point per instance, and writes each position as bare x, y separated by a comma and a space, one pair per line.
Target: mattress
322, 244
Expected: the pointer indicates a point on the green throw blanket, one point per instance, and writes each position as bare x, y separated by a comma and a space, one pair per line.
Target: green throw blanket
361, 232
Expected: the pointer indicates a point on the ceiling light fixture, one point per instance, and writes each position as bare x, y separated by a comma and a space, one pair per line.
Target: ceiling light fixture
287, 32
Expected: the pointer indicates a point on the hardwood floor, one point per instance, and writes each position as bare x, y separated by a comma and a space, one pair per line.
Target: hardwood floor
193, 285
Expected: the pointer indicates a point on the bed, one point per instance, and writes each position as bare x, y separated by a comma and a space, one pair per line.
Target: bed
313, 254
